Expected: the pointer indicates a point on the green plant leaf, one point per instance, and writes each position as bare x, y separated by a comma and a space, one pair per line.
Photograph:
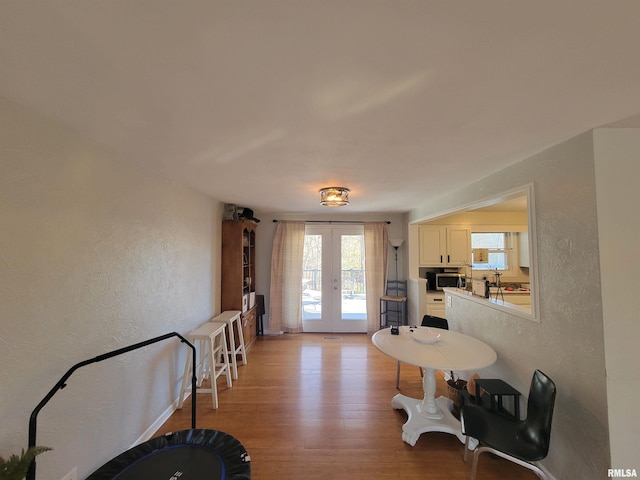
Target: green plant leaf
15, 468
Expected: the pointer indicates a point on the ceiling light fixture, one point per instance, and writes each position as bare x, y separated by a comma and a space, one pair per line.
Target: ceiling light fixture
334, 196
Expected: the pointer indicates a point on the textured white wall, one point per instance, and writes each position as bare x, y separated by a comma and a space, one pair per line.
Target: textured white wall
617, 152
567, 343
95, 254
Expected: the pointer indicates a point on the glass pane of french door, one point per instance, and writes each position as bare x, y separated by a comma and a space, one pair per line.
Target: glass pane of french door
333, 290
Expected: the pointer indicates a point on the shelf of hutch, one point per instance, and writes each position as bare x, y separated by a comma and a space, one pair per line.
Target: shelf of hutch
238, 291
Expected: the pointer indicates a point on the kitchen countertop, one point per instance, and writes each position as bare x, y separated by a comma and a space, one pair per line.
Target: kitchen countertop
519, 310
510, 292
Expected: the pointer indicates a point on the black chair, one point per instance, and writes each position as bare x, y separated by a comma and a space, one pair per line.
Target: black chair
427, 321
519, 441
394, 303
259, 313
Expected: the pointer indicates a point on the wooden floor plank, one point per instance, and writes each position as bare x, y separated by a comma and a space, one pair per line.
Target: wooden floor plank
307, 407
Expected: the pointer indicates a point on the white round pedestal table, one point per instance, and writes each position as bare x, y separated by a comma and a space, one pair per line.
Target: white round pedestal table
451, 351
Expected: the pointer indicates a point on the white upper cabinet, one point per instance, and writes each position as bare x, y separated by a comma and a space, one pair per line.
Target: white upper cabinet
433, 245
443, 246
458, 246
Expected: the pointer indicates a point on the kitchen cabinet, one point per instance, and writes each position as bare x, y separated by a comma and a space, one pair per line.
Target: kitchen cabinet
429, 302
443, 246
238, 291
435, 304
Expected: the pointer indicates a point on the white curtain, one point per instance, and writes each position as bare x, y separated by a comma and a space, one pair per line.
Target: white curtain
375, 251
285, 299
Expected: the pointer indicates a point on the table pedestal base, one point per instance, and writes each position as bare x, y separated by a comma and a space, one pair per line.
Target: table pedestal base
420, 421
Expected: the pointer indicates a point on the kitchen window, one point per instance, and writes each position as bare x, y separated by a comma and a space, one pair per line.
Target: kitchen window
495, 245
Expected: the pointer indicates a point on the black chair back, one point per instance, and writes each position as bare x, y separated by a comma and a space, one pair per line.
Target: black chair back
435, 322
537, 426
260, 305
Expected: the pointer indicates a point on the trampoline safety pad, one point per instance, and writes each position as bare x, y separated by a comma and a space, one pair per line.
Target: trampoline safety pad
197, 454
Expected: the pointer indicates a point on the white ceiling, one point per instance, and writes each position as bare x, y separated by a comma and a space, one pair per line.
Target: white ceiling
262, 102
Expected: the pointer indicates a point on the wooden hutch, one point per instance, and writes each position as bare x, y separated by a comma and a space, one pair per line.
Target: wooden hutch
238, 273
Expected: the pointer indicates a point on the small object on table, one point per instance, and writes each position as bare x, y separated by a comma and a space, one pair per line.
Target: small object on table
424, 335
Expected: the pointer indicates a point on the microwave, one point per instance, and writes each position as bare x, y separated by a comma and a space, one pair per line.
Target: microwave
447, 280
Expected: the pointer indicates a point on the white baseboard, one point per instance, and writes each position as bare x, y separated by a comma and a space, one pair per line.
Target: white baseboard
153, 428
551, 477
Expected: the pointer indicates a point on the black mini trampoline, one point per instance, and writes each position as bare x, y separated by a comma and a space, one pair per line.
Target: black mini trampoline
195, 454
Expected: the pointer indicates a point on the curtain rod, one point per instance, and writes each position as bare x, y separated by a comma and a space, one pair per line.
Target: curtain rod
330, 221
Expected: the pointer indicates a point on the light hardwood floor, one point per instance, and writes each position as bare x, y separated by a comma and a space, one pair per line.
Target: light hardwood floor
314, 406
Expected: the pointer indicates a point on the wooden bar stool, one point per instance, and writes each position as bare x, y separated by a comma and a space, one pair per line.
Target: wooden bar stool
230, 317
211, 343
394, 303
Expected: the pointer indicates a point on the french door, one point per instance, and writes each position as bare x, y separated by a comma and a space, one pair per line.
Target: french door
333, 291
